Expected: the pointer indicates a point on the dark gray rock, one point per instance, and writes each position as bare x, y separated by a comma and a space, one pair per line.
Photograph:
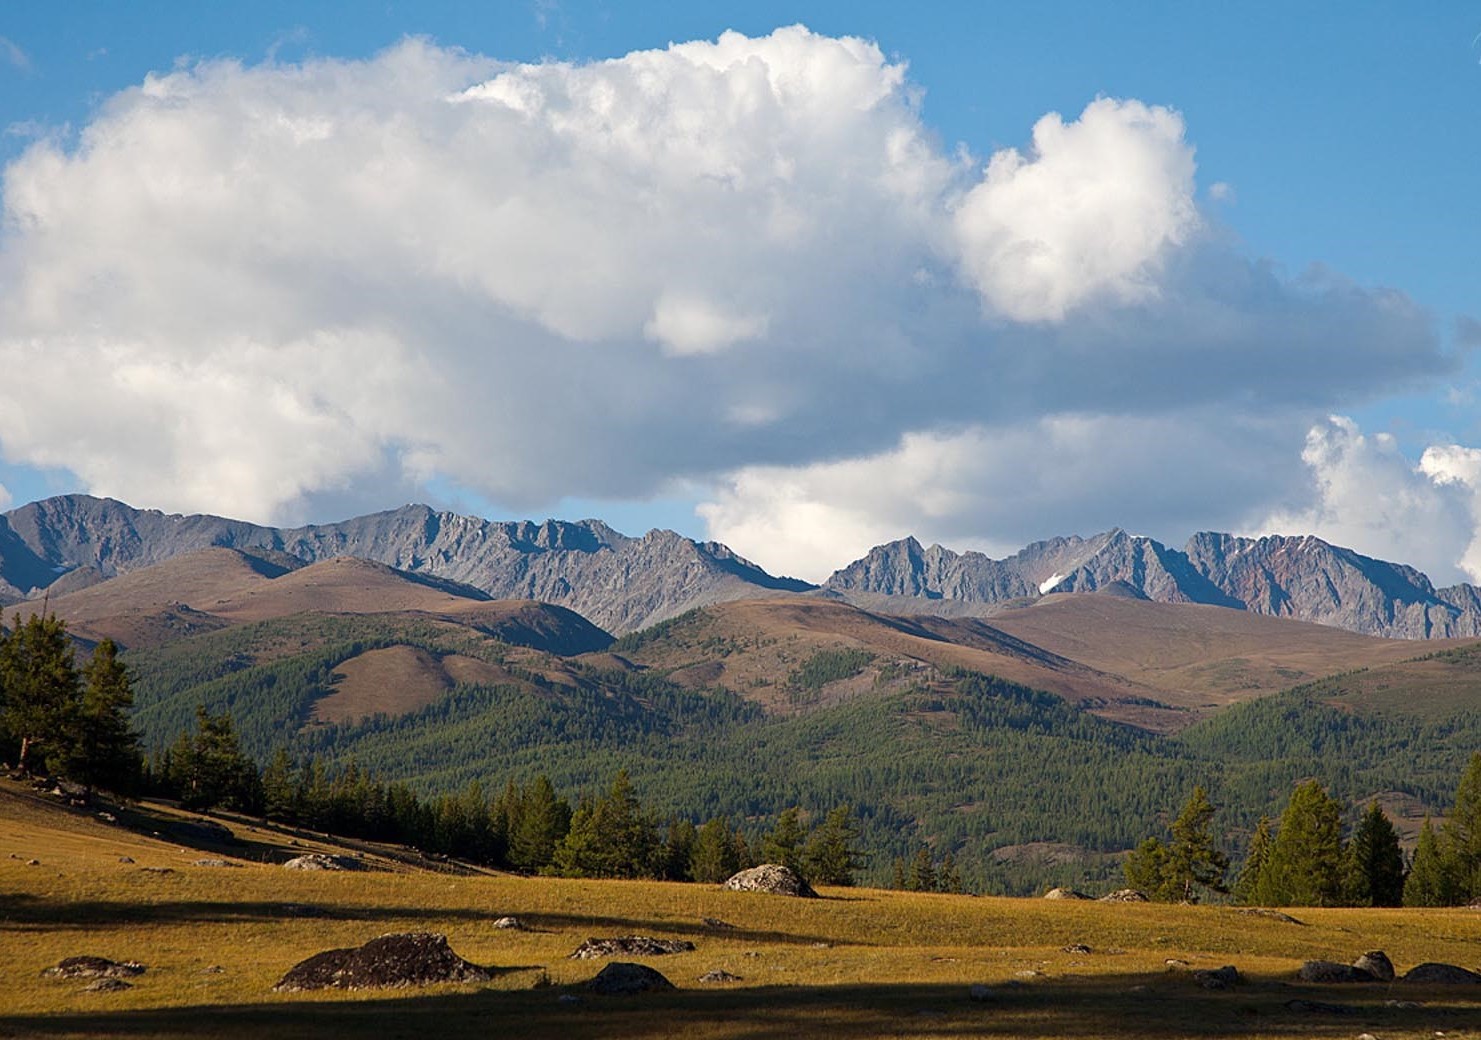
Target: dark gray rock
1217, 978
1124, 895
1436, 974
629, 946
387, 962
94, 968
621, 978
772, 878
719, 975
1377, 964
1331, 971
107, 985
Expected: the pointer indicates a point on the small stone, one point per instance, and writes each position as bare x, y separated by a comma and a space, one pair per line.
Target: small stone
1367, 1036
1075, 948
719, 975
715, 922
106, 985
1124, 895
33, 863
510, 922
125, 859
980, 993
211, 863
213, 969
568, 998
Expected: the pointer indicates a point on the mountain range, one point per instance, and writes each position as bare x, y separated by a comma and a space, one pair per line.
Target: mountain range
623, 584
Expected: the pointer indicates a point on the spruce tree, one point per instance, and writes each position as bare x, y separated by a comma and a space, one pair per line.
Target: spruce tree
1193, 863
713, 858
784, 842
103, 749
210, 768
1305, 865
1247, 888
1146, 870
280, 788
1373, 868
42, 692
1462, 836
832, 855
542, 820
1431, 881
922, 871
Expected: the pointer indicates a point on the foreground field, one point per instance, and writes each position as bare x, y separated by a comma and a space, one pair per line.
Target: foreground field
857, 963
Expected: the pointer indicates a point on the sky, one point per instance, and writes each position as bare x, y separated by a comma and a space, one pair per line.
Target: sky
800, 278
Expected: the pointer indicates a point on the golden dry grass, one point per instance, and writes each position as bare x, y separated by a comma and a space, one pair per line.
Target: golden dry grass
858, 963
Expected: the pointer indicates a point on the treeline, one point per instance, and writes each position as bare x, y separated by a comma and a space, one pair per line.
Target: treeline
57, 717
529, 829
1304, 859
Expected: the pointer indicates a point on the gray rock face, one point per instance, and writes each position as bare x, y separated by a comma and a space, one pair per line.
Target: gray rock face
1308, 579
617, 582
772, 878
94, 968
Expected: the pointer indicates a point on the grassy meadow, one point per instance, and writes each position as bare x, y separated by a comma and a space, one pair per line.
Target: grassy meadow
856, 963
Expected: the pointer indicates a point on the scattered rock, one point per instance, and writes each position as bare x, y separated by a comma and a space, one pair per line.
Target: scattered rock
1377, 964
1064, 893
716, 923
772, 878
1124, 895
629, 945
107, 817
1028, 973
33, 863
94, 968
622, 978
1217, 978
719, 975
1174, 962
125, 859
980, 993
106, 985
1318, 1007
390, 961
510, 922
1273, 915
1331, 971
1406, 1005
158, 870
213, 863
320, 861
568, 998
213, 969
1075, 948
1433, 973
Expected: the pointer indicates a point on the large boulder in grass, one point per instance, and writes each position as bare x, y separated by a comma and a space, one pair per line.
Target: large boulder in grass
772, 878
1377, 964
321, 861
1064, 893
1435, 974
621, 978
1331, 971
388, 962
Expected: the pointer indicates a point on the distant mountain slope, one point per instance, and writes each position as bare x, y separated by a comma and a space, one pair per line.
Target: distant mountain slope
1303, 578
619, 583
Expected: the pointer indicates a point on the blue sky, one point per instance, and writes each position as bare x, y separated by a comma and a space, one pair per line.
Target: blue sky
1341, 138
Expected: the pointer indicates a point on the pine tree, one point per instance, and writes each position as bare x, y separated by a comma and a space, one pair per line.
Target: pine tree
948, 878
1431, 881
103, 750
612, 837
1247, 888
1373, 868
42, 692
784, 843
831, 855
210, 768
897, 875
1305, 866
676, 851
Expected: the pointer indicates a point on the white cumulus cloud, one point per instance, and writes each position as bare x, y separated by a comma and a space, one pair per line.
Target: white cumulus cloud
1366, 495
736, 263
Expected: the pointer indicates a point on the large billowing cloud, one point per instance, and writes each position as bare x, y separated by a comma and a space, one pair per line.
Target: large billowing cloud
1369, 496
745, 264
